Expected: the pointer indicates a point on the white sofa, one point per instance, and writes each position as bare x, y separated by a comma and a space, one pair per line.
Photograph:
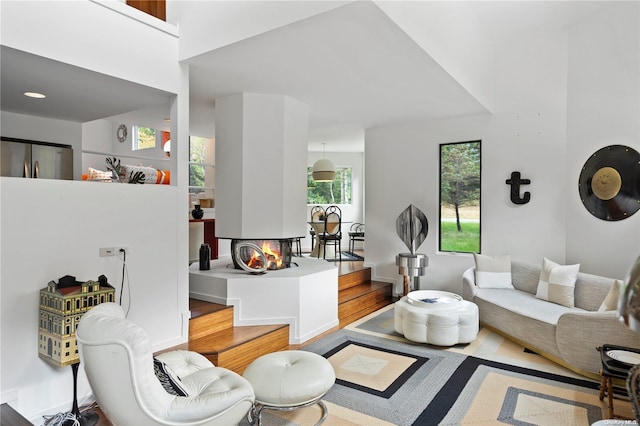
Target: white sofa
568, 336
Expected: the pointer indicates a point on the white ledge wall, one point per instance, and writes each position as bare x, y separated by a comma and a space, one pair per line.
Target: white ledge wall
114, 40
303, 296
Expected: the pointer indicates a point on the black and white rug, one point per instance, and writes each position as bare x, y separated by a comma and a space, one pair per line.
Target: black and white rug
383, 379
411, 384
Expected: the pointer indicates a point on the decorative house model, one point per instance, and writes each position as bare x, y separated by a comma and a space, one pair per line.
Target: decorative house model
62, 305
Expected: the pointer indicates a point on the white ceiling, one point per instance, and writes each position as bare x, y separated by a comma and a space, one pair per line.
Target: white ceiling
352, 65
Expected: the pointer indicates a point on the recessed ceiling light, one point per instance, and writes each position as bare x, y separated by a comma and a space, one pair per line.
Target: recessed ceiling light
34, 95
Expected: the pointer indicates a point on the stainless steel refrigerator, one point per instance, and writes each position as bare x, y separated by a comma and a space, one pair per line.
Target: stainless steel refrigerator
32, 159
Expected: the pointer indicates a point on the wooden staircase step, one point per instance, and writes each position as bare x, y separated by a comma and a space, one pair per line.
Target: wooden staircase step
207, 318
359, 301
363, 290
346, 320
354, 278
236, 347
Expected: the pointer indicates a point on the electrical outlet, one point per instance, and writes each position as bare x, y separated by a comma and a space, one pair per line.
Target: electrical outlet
107, 251
113, 251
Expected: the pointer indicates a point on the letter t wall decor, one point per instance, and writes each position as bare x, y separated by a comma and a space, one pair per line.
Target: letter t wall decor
515, 183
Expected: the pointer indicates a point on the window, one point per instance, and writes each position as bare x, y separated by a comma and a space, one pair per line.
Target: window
143, 138
460, 197
201, 165
336, 192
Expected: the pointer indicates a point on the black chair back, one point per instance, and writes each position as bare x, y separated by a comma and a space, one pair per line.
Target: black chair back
333, 221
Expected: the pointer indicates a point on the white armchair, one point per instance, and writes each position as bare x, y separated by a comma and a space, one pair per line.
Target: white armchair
116, 355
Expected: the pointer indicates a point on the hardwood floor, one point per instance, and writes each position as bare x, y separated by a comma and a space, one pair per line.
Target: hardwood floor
202, 308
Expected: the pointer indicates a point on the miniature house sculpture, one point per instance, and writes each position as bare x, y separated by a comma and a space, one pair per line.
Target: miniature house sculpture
62, 305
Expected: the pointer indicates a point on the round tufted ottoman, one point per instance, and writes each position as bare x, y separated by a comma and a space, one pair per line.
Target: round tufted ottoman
288, 380
436, 317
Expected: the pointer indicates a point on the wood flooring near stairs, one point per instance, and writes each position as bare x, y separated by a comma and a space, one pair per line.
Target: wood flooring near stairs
212, 333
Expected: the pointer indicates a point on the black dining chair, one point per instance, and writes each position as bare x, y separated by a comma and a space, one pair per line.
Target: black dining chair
356, 233
332, 231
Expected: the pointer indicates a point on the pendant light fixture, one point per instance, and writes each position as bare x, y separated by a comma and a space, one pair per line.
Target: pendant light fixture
324, 170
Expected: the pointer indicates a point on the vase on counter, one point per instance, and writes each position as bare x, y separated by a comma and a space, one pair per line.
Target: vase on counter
197, 212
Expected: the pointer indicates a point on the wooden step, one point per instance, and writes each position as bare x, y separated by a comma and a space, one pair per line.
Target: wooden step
360, 300
346, 320
236, 347
207, 318
354, 278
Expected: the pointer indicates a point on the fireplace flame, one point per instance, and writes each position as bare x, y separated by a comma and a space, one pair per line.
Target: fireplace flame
274, 257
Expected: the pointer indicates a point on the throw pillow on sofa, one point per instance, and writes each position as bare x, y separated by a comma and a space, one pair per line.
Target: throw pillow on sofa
557, 283
493, 272
610, 303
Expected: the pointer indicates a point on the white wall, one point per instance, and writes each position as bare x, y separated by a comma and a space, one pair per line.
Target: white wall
603, 109
53, 228
559, 97
526, 133
215, 24
451, 34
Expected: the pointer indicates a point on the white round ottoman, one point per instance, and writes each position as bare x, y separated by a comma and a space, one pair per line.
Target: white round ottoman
288, 380
436, 317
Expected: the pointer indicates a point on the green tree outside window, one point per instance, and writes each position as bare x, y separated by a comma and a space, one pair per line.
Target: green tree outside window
145, 137
460, 197
336, 192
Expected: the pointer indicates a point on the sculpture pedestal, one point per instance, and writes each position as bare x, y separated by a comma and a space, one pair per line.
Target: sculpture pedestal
411, 265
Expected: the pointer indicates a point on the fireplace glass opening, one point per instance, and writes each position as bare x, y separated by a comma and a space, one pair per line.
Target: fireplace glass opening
277, 253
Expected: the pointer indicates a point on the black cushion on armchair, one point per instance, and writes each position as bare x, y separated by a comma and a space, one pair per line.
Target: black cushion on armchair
170, 382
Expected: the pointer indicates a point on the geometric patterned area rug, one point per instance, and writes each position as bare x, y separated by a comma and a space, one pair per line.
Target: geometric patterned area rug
409, 384
384, 379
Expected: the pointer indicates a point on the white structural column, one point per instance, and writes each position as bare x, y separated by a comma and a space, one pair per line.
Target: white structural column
261, 166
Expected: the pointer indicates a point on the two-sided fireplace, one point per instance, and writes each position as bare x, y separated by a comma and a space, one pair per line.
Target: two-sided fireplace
260, 255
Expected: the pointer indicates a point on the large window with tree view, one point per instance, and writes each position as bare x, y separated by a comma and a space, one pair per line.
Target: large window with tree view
460, 197
336, 192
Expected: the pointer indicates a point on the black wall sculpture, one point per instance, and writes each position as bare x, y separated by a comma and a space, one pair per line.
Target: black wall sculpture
515, 183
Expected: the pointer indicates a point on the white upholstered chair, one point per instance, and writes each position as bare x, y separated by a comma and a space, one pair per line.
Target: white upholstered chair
116, 355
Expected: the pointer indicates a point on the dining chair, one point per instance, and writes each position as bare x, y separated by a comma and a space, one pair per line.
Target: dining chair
317, 215
356, 233
332, 231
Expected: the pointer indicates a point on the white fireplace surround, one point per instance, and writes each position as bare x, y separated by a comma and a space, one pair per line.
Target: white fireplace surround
261, 156
304, 296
